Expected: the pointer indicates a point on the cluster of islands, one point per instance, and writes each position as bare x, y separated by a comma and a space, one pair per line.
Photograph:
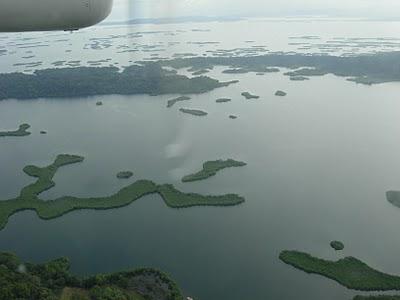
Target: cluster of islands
29, 199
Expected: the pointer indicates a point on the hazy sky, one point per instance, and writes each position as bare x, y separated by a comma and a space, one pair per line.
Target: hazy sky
171, 8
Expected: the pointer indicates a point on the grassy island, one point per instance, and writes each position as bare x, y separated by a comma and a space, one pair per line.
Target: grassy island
194, 112
249, 96
280, 94
232, 117
223, 100
21, 131
148, 78
349, 272
337, 245
53, 281
99, 103
299, 78
210, 168
29, 195
124, 174
178, 99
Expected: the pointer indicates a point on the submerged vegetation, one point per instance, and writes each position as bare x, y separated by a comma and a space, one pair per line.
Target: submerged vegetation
349, 272
21, 131
210, 168
29, 195
178, 99
52, 281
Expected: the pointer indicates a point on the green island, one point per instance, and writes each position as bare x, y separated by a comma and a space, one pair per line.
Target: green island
99, 103
372, 68
124, 175
148, 78
223, 100
194, 112
210, 168
349, 271
232, 117
280, 94
53, 281
178, 99
260, 70
249, 96
337, 245
21, 131
29, 195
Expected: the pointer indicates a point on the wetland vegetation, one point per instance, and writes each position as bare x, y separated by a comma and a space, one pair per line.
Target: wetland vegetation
171, 102
249, 96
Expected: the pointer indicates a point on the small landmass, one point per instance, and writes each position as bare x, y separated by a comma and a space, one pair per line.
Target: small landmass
280, 94
233, 117
378, 297
124, 175
210, 168
99, 103
173, 101
338, 246
200, 72
53, 280
21, 131
223, 100
43, 132
349, 272
298, 78
249, 96
194, 112
29, 197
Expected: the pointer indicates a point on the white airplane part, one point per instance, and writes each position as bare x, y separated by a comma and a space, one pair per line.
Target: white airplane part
46, 15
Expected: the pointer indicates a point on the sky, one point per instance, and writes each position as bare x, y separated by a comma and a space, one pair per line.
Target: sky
375, 9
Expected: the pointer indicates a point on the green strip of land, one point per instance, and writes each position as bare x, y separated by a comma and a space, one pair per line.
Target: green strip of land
349, 272
379, 297
29, 195
210, 168
21, 131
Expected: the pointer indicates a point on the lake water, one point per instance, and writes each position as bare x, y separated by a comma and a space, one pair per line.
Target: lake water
319, 163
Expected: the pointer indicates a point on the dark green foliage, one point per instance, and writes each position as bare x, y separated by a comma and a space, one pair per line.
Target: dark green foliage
194, 112
148, 78
29, 195
337, 245
210, 168
21, 131
48, 281
349, 272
